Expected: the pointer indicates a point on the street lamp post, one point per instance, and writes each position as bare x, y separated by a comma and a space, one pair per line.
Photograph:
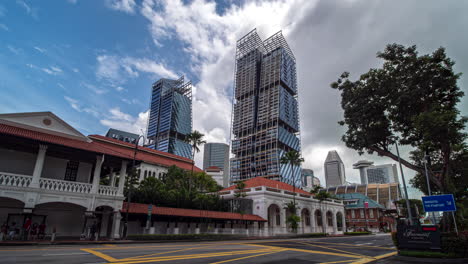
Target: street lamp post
410, 216
129, 184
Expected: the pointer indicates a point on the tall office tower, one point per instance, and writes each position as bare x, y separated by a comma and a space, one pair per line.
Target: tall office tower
265, 121
170, 118
386, 173
334, 170
217, 154
362, 166
307, 178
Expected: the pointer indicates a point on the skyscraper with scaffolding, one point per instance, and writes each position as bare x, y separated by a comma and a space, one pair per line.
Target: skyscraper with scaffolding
170, 118
265, 122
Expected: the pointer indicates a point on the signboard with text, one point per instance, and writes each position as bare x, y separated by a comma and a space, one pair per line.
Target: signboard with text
418, 237
439, 203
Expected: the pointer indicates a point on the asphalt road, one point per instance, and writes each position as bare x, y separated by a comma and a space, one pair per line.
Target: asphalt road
362, 249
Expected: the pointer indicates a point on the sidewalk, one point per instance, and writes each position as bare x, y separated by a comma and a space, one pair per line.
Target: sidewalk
412, 260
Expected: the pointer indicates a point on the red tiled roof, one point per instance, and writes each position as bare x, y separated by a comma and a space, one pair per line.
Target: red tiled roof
261, 181
213, 168
138, 208
104, 147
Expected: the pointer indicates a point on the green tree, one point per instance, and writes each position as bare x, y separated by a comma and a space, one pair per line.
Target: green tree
293, 219
413, 204
195, 139
293, 158
412, 101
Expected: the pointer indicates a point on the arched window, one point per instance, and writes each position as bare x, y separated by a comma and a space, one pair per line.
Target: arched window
306, 216
318, 217
154, 174
329, 218
145, 175
339, 221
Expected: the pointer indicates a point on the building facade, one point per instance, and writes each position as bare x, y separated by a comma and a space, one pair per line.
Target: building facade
122, 135
384, 194
269, 199
217, 155
334, 170
54, 175
217, 174
369, 173
307, 177
265, 109
170, 118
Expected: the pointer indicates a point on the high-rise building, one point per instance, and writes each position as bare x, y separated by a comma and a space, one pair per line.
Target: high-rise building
170, 118
369, 173
217, 155
265, 109
334, 170
122, 135
307, 178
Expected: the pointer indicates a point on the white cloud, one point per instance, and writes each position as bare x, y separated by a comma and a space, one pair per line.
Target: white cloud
13, 49
41, 50
119, 88
52, 70
117, 70
2, 11
29, 10
126, 122
4, 27
127, 6
94, 88
75, 104
72, 1
75, 70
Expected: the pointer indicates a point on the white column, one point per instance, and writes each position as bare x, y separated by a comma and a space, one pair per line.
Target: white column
123, 173
284, 228
97, 173
116, 225
335, 227
38, 166
344, 221
111, 177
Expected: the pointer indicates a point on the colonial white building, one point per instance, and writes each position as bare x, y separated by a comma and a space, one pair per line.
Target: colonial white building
53, 174
269, 199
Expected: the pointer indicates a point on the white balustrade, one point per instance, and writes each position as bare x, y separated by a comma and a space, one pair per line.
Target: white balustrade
64, 186
108, 190
15, 180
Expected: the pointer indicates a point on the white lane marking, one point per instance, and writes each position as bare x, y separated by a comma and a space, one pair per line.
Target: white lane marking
95, 263
65, 254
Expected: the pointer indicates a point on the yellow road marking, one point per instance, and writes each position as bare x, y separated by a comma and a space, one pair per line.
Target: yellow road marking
196, 256
362, 261
229, 260
339, 261
165, 252
311, 251
99, 254
343, 251
352, 245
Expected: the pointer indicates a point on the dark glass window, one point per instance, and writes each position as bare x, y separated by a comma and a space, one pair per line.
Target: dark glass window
72, 170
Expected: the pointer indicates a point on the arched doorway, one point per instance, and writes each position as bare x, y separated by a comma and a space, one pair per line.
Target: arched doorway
318, 221
305, 219
66, 218
274, 216
339, 221
104, 217
329, 217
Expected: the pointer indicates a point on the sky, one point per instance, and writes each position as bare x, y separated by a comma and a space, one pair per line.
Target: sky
93, 62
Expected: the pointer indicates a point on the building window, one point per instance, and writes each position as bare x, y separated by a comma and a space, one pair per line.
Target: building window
371, 213
353, 214
278, 217
145, 175
361, 212
154, 174
72, 170
329, 219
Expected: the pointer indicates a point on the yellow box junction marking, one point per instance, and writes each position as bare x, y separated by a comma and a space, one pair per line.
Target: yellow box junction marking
339, 250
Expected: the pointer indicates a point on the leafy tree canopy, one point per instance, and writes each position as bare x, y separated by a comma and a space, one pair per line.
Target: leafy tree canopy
412, 101
173, 191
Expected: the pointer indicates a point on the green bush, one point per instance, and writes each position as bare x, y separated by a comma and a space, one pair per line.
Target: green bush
182, 237
357, 233
395, 239
426, 254
458, 245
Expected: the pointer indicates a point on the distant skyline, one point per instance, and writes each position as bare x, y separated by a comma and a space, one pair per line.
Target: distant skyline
93, 62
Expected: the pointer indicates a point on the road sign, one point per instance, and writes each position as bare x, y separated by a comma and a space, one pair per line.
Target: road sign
150, 209
439, 203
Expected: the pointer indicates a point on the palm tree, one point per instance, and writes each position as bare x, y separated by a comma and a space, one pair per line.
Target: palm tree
293, 158
195, 139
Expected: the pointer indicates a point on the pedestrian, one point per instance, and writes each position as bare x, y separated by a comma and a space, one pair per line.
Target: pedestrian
4, 231
93, 230
12, 231
26, 228
41, 231
34, 230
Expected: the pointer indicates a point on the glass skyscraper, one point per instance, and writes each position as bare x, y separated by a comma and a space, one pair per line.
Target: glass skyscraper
170, 118
334, 170
265, 110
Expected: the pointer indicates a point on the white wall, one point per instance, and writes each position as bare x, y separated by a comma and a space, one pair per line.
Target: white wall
17, 162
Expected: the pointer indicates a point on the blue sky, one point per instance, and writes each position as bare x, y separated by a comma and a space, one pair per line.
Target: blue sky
92, 62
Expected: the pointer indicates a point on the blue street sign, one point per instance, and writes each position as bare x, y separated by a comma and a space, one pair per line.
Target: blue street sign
439, 203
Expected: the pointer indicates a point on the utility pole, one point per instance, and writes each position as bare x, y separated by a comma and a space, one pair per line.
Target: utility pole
426, 159
410, 216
